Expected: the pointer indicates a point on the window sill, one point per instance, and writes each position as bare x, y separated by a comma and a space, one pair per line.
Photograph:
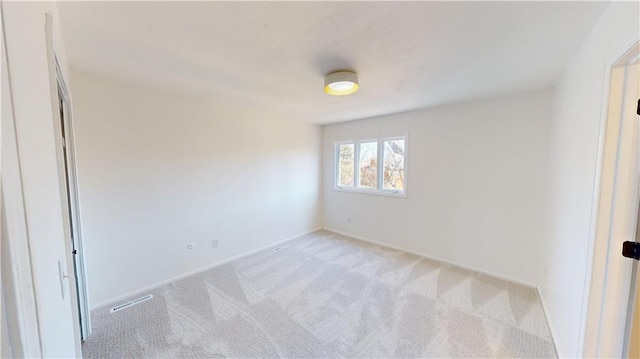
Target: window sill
373, 192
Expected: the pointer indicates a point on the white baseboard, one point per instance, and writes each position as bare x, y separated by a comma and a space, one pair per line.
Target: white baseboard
419, 254
136, 292
489, 273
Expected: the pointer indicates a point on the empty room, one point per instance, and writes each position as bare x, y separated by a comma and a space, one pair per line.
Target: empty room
320, 179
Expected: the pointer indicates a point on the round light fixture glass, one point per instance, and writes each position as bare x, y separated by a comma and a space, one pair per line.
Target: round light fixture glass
341, 83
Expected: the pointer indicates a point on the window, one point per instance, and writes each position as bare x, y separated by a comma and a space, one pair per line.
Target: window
372, 166
368, 165
345, 165
393, 162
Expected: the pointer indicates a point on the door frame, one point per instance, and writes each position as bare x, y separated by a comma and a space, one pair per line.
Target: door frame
74, 210
602, 292
19, 291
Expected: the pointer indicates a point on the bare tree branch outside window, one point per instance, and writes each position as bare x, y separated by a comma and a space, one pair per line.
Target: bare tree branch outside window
346, 166
393, 170
368, 165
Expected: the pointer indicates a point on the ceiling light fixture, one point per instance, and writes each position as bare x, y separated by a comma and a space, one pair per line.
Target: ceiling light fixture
341, 83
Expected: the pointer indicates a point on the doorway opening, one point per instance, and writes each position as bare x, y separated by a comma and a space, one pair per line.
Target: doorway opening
73, 207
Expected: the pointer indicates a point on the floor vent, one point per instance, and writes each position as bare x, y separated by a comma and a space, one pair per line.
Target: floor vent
276, 249
131, 303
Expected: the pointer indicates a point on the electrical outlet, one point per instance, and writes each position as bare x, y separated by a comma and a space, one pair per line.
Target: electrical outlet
214, 243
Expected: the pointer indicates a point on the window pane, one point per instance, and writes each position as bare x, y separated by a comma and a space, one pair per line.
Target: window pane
345, 165
393, 172
368, 165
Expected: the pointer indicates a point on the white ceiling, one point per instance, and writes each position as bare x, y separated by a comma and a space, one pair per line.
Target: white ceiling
274, 55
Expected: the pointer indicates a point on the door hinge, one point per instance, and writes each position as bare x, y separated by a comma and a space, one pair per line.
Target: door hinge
631, 250
74, 252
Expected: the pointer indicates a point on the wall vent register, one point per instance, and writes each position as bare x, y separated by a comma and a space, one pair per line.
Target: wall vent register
131, 303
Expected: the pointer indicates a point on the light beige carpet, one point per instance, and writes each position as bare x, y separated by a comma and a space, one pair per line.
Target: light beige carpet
324, 296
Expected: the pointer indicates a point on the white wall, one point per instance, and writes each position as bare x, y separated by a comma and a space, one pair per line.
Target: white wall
574, 148
159, 170
7, 319
476, 184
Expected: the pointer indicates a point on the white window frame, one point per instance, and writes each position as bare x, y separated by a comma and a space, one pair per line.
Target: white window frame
356, 167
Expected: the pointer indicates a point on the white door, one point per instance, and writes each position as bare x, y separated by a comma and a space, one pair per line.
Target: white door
31, 68
617, 289
68, 168
633, 339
